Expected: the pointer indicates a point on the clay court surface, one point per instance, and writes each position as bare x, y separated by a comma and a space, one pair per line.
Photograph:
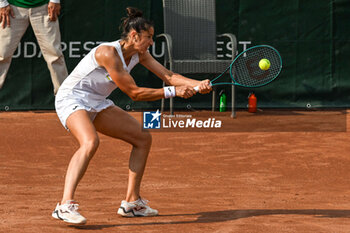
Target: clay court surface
274, 171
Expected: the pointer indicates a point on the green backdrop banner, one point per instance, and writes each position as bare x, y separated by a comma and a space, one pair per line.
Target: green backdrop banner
312, 36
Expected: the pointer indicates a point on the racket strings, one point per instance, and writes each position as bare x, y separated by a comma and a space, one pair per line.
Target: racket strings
246, 71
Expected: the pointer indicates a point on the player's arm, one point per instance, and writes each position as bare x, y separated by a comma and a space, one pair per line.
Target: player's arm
171, 78
107, 57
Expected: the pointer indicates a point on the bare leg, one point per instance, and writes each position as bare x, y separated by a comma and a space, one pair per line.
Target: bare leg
84, 131
117, 123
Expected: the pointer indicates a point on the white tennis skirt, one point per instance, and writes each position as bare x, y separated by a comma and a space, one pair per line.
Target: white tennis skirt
65, 106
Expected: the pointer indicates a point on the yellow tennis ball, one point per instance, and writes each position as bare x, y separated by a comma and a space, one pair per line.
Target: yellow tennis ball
264, 64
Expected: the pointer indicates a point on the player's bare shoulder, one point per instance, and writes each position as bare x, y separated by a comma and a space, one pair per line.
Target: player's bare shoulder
106, 51
107, 55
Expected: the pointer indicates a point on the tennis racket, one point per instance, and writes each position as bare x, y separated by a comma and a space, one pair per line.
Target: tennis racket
245, 70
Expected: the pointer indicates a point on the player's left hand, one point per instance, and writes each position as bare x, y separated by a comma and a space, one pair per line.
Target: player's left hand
54, 10
205, 87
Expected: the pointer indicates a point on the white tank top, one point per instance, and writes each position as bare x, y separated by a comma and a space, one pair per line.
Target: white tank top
91, 83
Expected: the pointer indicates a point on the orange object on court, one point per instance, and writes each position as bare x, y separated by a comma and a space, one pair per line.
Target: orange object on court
252, 103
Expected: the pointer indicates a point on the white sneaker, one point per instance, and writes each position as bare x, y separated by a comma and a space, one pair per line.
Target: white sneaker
69, 213
137, 208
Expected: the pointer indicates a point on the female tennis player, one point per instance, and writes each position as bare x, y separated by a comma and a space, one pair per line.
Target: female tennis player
83, 109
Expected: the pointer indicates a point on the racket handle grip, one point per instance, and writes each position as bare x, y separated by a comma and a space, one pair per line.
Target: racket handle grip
196, 88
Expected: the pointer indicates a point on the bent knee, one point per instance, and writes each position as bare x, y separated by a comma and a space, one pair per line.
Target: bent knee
144, 140
90, 145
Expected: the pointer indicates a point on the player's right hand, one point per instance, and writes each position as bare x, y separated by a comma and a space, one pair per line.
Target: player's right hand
5, 13
184, 91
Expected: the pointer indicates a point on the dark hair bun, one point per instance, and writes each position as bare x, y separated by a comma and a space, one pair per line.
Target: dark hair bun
134, 21
133, 12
